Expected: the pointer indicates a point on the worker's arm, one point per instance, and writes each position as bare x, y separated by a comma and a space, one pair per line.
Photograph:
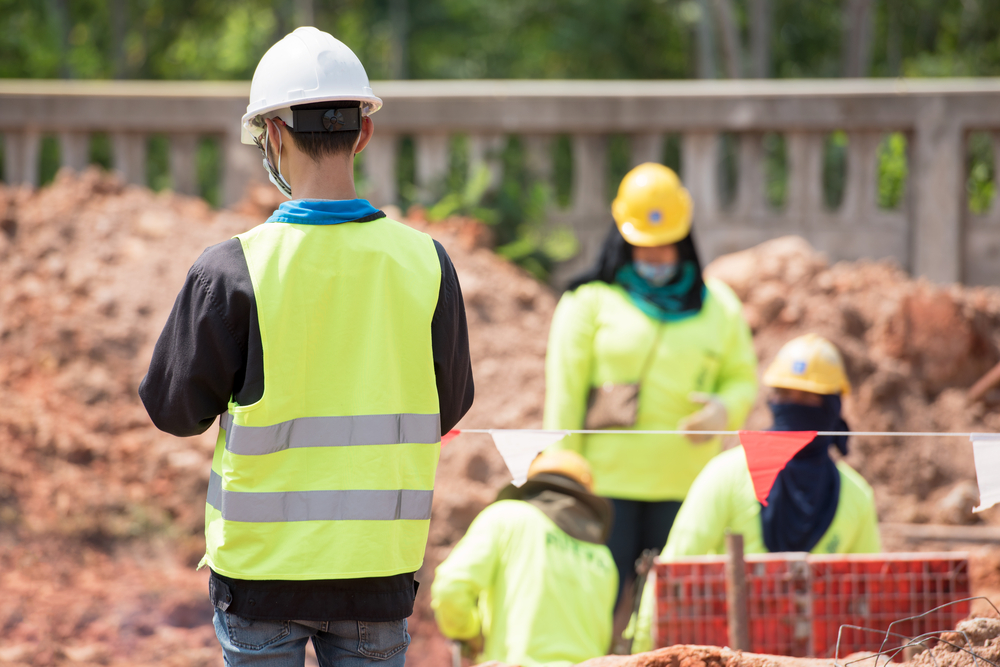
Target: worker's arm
450, 343
568, 365
705, 514
467, 571
736, 384
199, 360
698, 530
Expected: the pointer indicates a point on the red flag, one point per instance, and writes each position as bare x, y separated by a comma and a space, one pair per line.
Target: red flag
768, 452
450, 435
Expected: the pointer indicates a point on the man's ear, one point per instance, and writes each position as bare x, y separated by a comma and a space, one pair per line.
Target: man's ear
365, 135
273, 136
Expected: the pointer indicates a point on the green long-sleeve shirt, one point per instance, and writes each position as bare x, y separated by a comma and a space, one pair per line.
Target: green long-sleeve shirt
539, 596
598, 336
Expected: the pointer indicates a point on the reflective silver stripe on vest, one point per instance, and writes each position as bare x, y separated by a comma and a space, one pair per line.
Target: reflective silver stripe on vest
355, 505
334, 432
225, 421
359, 505
215, 490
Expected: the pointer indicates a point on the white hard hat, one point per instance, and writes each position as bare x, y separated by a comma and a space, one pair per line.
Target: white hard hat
306, 66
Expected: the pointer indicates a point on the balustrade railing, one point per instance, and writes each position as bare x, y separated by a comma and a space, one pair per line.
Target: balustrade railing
931, 232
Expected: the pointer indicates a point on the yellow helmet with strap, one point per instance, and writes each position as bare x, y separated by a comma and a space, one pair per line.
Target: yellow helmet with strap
652, 207
566, 463
809, 363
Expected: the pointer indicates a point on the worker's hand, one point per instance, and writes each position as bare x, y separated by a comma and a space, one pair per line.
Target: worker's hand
712, 417
472, 648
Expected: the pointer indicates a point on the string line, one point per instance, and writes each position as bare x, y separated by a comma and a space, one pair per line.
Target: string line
909, 434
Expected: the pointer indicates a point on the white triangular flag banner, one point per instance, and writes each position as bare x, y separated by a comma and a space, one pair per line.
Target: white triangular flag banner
520, 447
986, 450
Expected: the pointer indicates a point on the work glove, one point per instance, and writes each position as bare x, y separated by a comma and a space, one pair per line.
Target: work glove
712, 417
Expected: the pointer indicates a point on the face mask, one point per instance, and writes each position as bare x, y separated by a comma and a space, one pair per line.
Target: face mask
274, 175
655, 274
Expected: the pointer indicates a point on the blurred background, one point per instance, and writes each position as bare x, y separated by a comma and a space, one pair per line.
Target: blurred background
540, 39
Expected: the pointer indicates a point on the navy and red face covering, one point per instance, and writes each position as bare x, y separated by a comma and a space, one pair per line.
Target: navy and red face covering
803, 500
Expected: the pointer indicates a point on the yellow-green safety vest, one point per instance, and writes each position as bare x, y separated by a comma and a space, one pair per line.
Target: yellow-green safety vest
330, 475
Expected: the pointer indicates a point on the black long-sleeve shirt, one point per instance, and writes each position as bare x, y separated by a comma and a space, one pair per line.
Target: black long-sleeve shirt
210, 350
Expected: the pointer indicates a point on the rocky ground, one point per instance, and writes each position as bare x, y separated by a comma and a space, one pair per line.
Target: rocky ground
101, 515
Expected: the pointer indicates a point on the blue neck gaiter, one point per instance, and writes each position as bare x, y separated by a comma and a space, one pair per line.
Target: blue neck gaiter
803, 500
325, 211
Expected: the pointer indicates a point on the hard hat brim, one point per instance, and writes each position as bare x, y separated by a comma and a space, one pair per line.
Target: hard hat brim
800, 384
634, 236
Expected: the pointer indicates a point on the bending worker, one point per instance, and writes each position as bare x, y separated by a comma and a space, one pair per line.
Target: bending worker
532, 583
641, 341
815, 504
331, 344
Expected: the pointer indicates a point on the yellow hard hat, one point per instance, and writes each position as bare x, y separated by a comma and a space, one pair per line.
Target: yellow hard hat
566, 463
652, 207
809, 363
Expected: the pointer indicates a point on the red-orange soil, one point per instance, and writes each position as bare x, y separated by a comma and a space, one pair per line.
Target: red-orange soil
101, 515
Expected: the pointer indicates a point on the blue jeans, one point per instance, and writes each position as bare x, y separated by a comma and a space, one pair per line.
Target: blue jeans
283, 643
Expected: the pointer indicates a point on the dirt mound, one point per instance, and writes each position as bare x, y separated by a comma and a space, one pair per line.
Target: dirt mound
684, 655
97, 507
912, 350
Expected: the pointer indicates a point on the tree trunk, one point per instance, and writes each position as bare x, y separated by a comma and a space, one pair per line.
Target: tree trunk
893, 48
119, 27
304, 14
706, 41
857, 37
731, 51
399, 20
760, 38
59, 11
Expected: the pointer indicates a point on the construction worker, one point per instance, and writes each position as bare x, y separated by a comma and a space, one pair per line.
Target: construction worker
642, 341
333, 343
814, 505
532, 583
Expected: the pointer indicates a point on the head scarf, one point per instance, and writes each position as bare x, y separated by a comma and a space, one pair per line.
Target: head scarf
804, 498
681, 297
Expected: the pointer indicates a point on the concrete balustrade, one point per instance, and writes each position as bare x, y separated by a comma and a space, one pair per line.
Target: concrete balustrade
931, 233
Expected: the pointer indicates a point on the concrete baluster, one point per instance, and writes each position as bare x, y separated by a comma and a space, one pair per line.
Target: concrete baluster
750, 199
241, 167
485, 149
590, 211
74, 150
805, 176
538, 154
993, 215
700, 173
861, 188
380, 170
129, 156
646, 147
21, 155
937, 174
590, 168
184, 163
432, 162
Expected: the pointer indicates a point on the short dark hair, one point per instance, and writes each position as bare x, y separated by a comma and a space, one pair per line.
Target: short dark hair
318, 145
